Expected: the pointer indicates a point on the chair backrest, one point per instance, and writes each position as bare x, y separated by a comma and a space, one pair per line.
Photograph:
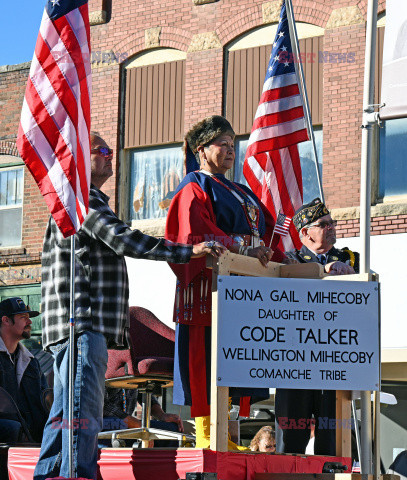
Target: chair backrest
149, 336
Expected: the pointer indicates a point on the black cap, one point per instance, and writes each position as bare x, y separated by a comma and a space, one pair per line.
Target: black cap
309, 213
14, 305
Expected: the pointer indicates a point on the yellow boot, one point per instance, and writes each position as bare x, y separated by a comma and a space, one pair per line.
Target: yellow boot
203, 439
203, 432
235, 447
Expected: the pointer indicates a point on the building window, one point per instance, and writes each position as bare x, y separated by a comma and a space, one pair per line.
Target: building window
309, 178
392, 163
11, 206
155, 174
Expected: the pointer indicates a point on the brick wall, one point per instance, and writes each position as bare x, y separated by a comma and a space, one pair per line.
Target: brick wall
180, 23
35, 214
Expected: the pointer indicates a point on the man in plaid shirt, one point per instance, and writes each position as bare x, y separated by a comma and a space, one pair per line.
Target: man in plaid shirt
101, 315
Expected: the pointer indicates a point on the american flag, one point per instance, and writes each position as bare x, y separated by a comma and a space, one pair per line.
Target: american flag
272, 164
53, 136
282, 226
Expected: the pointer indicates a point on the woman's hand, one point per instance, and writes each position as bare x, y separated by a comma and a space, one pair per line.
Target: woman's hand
208, 248
264, 254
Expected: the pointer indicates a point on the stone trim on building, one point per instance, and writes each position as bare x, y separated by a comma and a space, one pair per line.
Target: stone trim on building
345, 16
98, 17
204, 41
271, 11
152, 37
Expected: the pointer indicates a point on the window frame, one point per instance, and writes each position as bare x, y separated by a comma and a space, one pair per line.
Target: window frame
18, 165
149, 224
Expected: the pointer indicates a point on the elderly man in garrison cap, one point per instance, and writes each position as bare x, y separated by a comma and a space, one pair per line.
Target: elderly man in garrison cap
20, 373
295, 408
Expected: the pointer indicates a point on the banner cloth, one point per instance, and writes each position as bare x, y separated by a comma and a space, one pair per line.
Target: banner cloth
148, 464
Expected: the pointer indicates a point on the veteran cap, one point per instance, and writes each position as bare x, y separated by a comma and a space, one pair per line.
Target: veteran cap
309, 213
14, 305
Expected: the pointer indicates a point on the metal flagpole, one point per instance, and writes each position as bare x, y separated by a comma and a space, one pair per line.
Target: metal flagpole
303, 90
369, 118
71, 363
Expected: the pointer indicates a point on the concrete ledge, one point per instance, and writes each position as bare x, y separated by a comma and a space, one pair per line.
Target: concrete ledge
155, 227
14, 68
394, 355
379, 210
203, 2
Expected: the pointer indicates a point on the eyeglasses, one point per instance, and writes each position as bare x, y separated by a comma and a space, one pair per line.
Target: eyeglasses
322, 225
104, 151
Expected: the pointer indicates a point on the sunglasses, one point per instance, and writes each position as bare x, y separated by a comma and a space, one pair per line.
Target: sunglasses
104, 151
330, 224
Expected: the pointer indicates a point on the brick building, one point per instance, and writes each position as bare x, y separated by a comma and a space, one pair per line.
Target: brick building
157, 69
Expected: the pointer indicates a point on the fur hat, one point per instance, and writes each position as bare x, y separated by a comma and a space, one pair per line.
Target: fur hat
207, 130
309, 213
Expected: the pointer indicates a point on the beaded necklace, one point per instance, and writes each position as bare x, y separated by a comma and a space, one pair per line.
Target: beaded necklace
250, 208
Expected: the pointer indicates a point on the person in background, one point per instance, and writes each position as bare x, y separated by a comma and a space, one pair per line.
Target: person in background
264, 440
20, 373
294, 407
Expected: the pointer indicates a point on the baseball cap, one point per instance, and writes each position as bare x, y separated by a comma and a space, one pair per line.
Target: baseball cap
14, 305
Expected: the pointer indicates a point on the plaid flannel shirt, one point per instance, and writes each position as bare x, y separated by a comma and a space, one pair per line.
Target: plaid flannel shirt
101, 281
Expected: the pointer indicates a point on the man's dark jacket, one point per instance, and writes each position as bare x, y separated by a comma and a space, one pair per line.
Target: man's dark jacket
305, 255
27, 395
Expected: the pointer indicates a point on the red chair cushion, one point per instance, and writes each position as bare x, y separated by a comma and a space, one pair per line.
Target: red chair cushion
156, 365
149, 336
119, 362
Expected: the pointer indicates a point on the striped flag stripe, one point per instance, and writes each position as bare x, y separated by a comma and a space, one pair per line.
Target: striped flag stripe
40, 154
279, 81
54, 130
281, 117
52, 199
49, 130
279, 130
278, 105
276, 94
276, 143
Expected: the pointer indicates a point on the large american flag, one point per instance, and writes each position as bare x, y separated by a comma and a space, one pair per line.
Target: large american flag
53, 136
272, 164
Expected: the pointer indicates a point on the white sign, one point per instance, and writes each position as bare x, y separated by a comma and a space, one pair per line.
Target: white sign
294, 333
394, 74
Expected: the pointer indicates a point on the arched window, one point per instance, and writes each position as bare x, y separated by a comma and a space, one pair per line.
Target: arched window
153, 130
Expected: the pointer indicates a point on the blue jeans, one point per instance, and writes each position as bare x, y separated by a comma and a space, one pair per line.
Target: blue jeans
89, 383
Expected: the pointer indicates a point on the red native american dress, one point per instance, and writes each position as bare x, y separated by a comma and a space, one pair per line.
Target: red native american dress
208, 207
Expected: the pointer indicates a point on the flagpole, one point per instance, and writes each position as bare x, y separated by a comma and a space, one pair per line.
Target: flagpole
71, 357
365, 201
303, 90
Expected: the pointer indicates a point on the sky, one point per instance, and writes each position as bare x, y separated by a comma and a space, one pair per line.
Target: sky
20, 23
